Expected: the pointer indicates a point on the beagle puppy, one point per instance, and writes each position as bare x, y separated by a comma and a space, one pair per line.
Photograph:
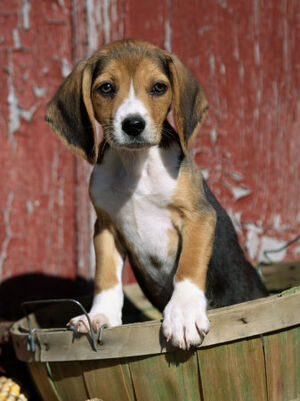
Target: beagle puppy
150, 198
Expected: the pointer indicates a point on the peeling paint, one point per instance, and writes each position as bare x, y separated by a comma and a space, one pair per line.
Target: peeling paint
114, 14
168, 27
65, 67
203, 29
252, 242
26, 12
205, 173
168, 35
236, 218
27, 114
25, 77
92, 33
222, 69
277, 222
236, 176
213, 135
62, 4
16, 38
14, 116
256, 54
212, 65
269, 244
106, 20
39, 91
7, 229
29, 207
241, 72
15, 112
239, 192
296, 251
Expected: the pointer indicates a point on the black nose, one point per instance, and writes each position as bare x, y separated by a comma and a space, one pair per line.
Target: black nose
133, 125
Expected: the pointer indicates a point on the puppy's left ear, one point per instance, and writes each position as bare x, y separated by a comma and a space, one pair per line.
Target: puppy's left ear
190, 104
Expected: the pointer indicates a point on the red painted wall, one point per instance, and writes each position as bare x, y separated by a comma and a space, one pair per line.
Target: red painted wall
244, 54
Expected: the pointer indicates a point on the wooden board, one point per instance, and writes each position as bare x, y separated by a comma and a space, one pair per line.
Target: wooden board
68, 380
45, 386
166, 377
282, 275
233, 372
282, 353
108, 380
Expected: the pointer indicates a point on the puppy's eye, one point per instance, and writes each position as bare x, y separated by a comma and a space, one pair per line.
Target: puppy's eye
158, 89
107, 89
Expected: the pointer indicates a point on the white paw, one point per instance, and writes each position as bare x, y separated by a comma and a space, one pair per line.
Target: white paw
81, 325
185, 322
106, 309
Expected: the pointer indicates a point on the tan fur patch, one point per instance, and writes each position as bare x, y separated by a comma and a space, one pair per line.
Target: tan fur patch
108, 251
195, 219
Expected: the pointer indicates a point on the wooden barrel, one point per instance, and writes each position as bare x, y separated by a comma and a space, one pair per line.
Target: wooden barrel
251, 353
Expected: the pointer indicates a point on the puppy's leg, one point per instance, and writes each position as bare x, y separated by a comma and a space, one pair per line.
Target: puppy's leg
108, 296
185, 321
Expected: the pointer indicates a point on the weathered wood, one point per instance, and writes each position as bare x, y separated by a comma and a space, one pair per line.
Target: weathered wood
187, 372
108, 380
282, 355
166, 377
282, 275
233, 372
68, 380
45, 386
227, 324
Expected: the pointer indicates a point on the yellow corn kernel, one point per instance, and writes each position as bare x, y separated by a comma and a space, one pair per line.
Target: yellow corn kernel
10, 391
21, 398
15, 389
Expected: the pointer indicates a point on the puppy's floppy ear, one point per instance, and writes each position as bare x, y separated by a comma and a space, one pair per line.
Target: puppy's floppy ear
190, 104
70, 113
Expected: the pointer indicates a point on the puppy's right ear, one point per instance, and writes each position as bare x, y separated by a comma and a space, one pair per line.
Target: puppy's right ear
70, 113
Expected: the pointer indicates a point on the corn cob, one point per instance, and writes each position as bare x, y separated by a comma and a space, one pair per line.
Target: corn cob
10, 391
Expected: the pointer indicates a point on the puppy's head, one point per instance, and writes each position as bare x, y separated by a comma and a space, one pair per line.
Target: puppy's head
128, 87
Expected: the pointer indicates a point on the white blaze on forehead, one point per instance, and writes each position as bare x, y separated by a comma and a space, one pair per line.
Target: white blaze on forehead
130, 106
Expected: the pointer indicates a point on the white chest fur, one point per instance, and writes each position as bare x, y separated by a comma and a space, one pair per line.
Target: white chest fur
135, 188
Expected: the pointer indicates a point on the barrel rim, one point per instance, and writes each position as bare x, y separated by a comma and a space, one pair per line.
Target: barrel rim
232, 323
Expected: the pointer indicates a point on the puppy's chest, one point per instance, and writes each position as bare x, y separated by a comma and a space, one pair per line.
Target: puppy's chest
136, 193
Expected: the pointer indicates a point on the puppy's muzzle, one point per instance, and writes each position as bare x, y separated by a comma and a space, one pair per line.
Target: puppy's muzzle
133, 125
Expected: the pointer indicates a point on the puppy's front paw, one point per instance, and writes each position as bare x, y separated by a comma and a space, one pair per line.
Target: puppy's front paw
185, 322
106, 309
81, 325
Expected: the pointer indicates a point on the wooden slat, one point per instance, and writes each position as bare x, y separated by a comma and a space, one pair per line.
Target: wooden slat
187, 372
227, 324
108, 380
233, 372
68, 380
282, 354
282, 275
44, 384
166, 377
